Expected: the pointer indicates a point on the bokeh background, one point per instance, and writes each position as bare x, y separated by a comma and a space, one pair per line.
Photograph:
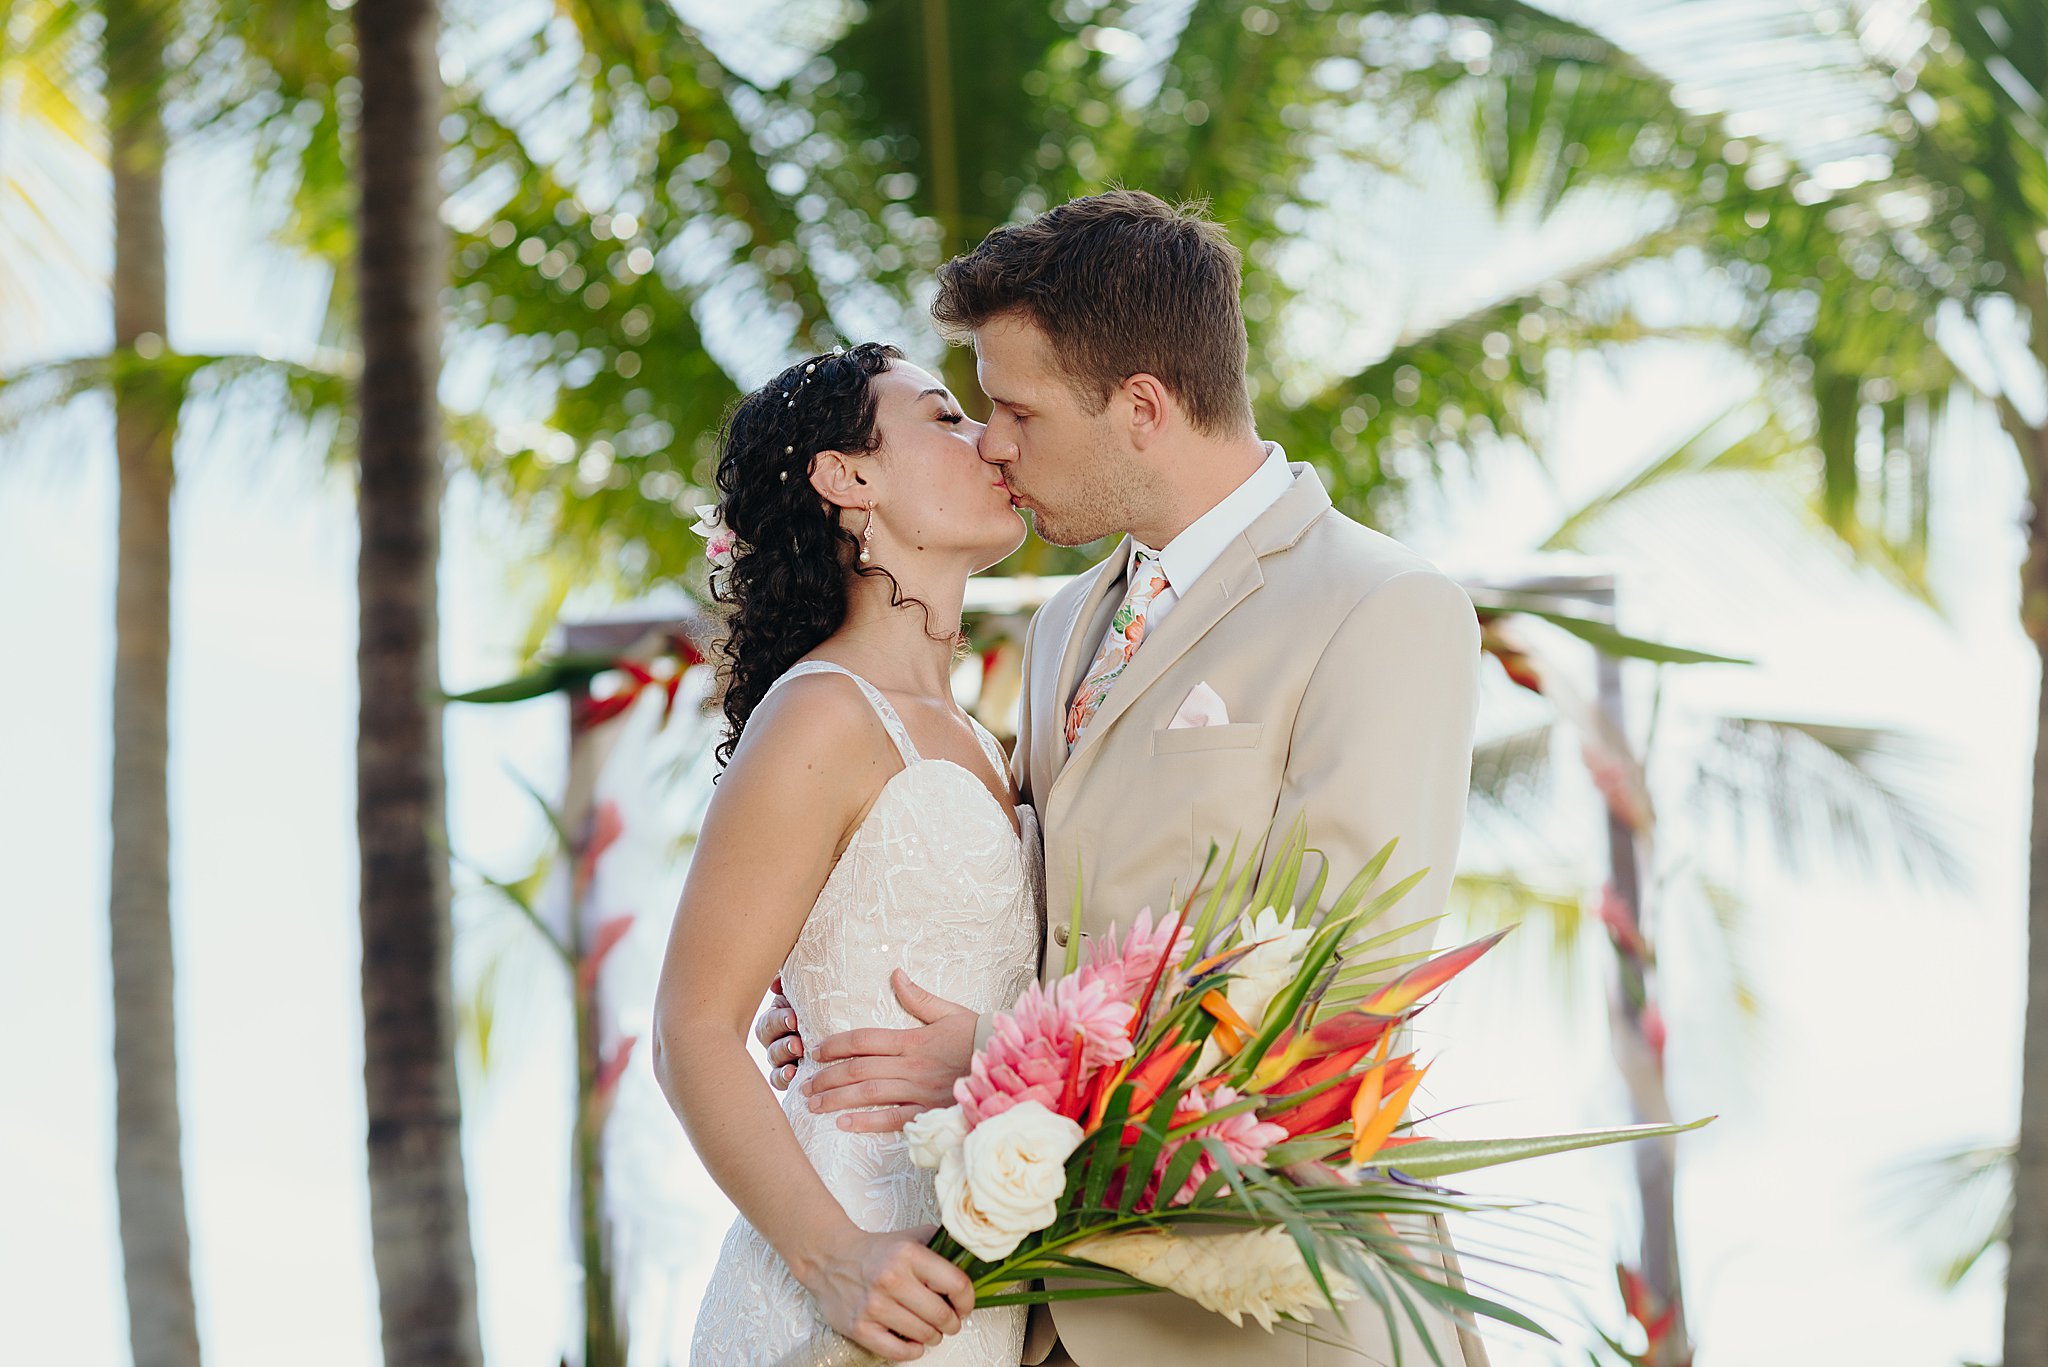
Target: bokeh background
1702, 338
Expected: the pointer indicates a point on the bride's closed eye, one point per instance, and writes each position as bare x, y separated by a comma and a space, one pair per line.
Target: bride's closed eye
952, 419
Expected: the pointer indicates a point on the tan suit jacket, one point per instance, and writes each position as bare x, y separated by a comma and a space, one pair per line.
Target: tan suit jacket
1349, 667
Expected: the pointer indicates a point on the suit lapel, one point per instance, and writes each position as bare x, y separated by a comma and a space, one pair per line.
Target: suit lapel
1233, 578
1080, 635
1214, 595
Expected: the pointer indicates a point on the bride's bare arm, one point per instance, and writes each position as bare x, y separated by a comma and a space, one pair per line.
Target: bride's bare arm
805, 771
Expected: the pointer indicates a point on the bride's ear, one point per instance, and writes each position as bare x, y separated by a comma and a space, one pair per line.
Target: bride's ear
840, 481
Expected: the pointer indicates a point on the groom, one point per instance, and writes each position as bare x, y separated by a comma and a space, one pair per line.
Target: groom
1246, 655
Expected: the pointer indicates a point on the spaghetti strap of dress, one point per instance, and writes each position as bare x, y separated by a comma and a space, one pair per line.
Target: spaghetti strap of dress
992, 748
891, 723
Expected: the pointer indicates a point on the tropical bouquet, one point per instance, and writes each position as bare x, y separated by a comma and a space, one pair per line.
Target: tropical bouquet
1212, 1106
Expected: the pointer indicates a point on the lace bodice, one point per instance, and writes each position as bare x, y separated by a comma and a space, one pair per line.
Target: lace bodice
937, 882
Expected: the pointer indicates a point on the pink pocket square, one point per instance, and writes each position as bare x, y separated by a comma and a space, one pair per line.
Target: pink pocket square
1201, 707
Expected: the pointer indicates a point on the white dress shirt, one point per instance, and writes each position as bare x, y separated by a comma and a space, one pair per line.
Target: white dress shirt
1188, 556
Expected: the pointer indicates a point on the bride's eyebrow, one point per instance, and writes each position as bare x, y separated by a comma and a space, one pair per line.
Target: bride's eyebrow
940, 392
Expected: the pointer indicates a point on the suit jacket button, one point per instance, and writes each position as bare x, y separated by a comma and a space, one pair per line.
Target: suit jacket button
1059, 936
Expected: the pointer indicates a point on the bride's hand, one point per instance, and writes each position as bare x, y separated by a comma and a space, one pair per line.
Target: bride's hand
901, 1073
888, 1292
775, 1027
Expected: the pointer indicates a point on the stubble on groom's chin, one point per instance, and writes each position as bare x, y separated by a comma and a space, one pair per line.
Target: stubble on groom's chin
1101, 508
1060, 534
1076, 528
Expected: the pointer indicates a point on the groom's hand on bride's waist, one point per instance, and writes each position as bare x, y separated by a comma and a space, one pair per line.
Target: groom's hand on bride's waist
894, 1075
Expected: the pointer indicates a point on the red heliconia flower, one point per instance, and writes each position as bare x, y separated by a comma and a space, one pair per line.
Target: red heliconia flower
606, 826
593, 712
685, 650
1620, 920
613, 1068
1147, 1079
1653, 1031
1619, 780
609, 933
1643, 1307
596, 711
1516, 661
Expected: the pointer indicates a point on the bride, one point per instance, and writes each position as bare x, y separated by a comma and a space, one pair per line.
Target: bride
863, 822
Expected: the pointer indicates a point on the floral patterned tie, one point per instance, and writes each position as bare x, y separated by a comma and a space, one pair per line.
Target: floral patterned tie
1126, 632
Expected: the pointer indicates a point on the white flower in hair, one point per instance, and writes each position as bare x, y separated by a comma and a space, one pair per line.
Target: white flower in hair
720, 544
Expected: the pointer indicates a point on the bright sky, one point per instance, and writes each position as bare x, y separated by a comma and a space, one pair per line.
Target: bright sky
1782, 1200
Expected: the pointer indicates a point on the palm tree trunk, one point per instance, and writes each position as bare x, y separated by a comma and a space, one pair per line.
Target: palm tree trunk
149, 1177
2026, 1292
419, 1209
942, 145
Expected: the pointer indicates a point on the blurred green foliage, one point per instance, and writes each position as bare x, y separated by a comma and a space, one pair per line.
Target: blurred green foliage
643, 232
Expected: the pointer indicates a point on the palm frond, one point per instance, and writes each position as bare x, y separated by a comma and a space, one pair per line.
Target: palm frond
1897, 174
1508, 768
1860, 795
1728, 910
1968, 1190
1491, 900
1746, 436
52, 161
1459, 381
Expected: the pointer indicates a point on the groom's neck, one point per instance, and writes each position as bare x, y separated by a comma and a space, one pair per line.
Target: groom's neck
1193, 476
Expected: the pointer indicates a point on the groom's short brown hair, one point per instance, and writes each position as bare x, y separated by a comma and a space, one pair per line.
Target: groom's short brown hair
1121, 283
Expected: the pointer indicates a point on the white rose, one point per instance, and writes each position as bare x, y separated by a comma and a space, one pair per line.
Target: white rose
934, 1134
1005, 1180
966, 1221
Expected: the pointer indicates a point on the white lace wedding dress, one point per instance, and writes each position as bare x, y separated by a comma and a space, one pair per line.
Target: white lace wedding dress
937, 882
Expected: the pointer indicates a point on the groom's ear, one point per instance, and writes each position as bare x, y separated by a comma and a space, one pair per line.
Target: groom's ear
839, 481
1150, 407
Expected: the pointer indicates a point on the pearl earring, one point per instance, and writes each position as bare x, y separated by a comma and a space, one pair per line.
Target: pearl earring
867, 536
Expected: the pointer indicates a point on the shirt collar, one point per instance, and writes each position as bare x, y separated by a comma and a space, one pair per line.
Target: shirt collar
1186, 556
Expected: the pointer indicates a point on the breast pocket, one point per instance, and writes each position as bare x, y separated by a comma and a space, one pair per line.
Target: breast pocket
1186, 740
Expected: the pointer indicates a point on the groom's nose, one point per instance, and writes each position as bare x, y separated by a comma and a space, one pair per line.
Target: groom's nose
994, 448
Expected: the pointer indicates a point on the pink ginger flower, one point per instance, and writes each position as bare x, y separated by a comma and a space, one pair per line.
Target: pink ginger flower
1244, 1137
1127, 970
1031, 1049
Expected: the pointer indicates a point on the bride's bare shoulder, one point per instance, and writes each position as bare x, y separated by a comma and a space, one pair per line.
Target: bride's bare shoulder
818, 724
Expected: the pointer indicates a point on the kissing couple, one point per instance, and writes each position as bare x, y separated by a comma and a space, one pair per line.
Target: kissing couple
1246, 656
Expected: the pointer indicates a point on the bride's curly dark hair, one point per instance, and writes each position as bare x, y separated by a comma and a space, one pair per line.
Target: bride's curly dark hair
787, 587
